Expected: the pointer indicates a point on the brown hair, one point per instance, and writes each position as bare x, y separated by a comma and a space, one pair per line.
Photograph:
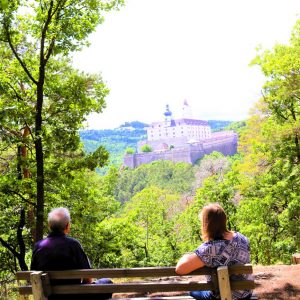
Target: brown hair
213, 219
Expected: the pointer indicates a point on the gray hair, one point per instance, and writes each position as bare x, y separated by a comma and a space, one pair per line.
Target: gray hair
58, 219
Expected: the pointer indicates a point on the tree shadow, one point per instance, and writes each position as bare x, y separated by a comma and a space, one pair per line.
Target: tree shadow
288, 291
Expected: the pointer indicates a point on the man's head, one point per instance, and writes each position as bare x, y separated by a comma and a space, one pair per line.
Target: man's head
59, 220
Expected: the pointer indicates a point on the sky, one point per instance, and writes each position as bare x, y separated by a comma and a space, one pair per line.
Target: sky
156, 52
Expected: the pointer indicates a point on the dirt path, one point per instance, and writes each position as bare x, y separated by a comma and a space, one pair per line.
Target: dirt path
279, 282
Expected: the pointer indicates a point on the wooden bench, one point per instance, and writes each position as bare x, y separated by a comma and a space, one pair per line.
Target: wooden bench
37, 283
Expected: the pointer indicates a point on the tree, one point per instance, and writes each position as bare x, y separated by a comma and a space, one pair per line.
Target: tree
156, 211
3, 4
212, 164
146, 148
45, 99
129, 151
269, 210
165, 174
281, 95
48, 30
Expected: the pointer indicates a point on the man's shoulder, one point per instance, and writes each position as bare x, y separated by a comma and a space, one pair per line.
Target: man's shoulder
71, 240
57, 239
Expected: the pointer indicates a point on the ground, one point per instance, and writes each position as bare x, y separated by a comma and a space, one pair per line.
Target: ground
278, 282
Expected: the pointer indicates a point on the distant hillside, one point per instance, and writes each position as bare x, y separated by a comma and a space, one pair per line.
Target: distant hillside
117, 140
218, 125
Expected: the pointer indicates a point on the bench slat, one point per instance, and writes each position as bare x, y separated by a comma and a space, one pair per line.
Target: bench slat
25, 290
242, 285
133, 272
120, 288
240, 269
113, 273
130, 287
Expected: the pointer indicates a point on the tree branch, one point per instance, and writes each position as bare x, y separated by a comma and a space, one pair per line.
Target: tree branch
50, 50
9, 247
19, 233
11, 131
17, 55
16, 93
30, 132
21, 196
44, 32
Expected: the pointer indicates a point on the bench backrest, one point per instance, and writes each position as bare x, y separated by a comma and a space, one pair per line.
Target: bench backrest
38, 283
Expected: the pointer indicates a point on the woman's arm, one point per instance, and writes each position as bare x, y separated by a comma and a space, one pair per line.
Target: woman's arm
188, 263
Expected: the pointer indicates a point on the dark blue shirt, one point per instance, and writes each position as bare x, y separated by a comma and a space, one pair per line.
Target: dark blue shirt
58, 252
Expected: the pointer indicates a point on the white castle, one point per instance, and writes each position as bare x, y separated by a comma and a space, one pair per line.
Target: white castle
181, 140
187, 127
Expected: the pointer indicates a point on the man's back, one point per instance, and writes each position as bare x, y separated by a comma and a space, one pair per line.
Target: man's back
59, 252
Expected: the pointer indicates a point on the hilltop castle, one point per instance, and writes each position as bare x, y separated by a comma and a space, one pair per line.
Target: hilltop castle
181, 140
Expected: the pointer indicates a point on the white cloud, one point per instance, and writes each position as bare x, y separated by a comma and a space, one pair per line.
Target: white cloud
154, 52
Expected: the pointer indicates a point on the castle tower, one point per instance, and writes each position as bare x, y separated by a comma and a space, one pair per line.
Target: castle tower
186, 111
168, 116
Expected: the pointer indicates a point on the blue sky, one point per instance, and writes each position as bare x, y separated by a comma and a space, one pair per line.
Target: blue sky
157, 52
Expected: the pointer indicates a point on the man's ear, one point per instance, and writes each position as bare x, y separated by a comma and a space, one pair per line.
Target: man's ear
67, 229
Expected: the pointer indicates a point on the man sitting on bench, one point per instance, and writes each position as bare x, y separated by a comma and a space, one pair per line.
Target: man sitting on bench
61, 252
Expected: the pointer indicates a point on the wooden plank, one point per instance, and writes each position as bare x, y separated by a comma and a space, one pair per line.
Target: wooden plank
25, 290
235, 285
37, 286
124, 273
224, 283
296, 258
115, 273
240, 269
130, 287
23, 275
133, 272
23, 297
242, 285
46, 284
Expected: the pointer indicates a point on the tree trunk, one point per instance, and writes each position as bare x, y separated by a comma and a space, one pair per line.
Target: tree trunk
26, 173
297, 149
21, 256
39, 157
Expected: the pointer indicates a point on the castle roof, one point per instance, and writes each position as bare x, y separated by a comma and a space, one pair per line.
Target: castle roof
191, 122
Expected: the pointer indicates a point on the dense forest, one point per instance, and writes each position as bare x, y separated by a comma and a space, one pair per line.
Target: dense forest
146, 216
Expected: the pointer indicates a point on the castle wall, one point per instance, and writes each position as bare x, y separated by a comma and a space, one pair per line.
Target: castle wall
224, 142
178, 155
157, 145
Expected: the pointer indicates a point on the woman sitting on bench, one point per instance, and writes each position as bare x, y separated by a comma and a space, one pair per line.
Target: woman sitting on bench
221, 247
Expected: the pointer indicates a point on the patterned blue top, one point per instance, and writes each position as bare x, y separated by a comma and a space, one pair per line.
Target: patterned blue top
226, 253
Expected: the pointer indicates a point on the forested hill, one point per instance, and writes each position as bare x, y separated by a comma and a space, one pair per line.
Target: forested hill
117, 140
